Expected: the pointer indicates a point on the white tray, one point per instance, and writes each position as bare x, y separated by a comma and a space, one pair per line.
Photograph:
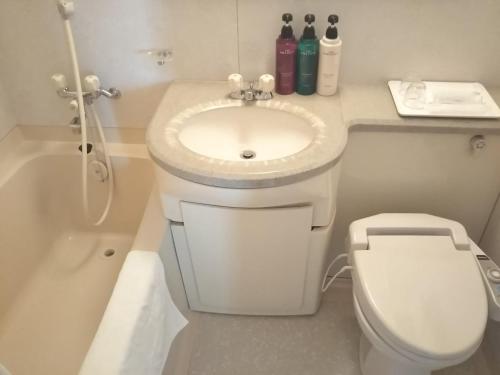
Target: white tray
448, 99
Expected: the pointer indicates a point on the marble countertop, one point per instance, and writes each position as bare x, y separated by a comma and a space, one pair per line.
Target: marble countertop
354, 107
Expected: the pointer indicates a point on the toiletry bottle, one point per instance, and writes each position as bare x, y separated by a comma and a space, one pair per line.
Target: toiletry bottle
330, 47
307, 59
286, 56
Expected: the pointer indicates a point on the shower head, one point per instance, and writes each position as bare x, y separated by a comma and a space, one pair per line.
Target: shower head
65, 8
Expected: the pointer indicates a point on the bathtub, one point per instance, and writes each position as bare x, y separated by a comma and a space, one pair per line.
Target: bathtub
57, 272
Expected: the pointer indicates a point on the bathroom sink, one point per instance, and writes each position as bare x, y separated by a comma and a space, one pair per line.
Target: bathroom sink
233, 131
200, 135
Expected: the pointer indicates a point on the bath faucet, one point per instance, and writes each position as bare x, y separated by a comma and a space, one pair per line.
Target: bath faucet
93, 92
256, 90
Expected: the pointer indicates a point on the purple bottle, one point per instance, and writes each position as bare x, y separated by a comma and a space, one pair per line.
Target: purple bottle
286, 55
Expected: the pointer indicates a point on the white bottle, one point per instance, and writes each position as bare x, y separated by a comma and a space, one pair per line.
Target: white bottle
330, 47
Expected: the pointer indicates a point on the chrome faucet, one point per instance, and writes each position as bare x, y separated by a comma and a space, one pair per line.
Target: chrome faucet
256, 90
93, 91
111, 93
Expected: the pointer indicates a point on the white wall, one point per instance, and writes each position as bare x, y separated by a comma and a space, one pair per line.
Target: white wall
441, 39
31, 33
490, 242
378, 175
7, 121
383, 39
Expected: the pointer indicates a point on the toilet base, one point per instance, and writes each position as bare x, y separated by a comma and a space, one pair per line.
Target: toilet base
374, 362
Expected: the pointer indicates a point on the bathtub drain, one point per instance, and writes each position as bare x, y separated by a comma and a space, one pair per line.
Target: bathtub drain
89, 148
109, 253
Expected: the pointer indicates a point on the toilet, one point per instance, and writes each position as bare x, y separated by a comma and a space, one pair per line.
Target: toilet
418, 293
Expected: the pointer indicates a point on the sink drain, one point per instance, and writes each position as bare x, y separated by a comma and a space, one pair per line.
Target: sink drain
247, 154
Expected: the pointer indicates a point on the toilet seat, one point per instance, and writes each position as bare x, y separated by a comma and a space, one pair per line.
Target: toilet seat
396, 353
421, 294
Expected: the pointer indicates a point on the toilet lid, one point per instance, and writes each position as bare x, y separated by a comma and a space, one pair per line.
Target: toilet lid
421, 294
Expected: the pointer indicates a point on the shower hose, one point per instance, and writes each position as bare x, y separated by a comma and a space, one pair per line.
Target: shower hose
83, 121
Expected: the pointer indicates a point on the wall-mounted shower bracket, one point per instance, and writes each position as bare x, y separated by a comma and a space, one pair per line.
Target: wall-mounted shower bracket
159, 55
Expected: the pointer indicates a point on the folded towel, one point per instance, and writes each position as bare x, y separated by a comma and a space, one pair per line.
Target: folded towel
3, 370
139, 324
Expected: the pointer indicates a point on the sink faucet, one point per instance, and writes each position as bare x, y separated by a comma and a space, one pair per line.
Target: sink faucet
256, 90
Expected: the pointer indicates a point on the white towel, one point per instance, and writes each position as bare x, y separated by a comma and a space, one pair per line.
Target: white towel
139, 324
3, 370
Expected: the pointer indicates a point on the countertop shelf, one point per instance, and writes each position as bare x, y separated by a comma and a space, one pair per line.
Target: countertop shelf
354, 108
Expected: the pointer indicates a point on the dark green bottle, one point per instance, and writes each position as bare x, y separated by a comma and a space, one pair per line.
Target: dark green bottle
307, 59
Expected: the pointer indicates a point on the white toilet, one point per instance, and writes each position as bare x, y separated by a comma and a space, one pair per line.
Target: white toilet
418, 293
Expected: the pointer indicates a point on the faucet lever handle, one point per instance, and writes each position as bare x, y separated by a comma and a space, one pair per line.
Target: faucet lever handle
59, 81
92, 83
266, 83
235, 82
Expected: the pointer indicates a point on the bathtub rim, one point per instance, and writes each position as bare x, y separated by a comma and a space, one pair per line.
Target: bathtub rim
16, 151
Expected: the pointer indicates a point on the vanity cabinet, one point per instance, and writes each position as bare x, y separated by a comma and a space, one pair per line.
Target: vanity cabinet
251, 251
250, 261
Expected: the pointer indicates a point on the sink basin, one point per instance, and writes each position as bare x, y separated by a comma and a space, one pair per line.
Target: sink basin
200, 135
236, 131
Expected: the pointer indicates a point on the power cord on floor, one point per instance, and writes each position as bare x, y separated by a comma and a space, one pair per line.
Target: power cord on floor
325, 285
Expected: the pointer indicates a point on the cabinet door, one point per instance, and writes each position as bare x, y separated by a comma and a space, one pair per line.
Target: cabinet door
244, 261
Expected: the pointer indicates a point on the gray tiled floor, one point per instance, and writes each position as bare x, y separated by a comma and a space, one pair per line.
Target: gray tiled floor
323, 344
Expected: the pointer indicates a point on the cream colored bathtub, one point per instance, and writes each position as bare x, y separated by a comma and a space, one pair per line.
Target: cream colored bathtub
56, 271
